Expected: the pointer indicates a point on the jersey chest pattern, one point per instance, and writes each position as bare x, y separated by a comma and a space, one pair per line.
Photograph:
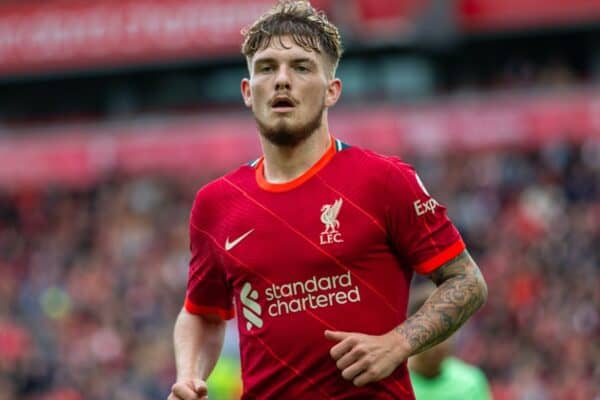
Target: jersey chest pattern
327, 254
305, 254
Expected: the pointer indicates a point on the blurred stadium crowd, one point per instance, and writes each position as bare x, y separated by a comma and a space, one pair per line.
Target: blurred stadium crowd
92, 279
93, 274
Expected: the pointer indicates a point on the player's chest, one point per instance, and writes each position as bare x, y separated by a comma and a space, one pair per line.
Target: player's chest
310, 235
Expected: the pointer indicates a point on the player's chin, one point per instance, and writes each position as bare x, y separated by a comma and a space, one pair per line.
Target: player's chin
283, 139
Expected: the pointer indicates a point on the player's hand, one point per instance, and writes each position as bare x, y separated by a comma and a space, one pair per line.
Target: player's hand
365, 358
192, 389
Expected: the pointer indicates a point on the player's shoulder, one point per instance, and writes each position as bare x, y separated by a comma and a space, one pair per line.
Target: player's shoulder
376, 160
375, 167
220, 190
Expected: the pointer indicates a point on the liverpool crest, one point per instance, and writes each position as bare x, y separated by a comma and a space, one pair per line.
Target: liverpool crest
329, 217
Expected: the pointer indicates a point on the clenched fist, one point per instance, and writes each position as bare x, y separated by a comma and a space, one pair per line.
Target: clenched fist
192, 389
366, 358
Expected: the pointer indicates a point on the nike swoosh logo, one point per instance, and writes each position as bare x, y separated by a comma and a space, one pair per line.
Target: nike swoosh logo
230, 245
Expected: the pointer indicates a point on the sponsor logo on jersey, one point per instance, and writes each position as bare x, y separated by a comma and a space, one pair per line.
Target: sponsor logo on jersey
230, 245
299, 296
423, 207
329, 217
251, 310
311, 294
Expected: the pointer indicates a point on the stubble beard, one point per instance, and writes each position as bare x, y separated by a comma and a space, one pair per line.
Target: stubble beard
286, 135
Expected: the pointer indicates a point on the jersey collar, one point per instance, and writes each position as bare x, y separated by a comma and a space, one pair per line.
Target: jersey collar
334, 147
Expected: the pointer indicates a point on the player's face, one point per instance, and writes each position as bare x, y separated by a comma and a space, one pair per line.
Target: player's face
288, 90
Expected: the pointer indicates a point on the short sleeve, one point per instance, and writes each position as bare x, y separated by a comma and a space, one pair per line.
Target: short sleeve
207, 290
420, 230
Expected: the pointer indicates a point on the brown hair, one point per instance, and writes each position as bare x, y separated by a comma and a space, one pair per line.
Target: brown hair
309, 28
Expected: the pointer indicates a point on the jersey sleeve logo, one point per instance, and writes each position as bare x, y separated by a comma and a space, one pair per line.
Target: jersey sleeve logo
424, 207
329, 217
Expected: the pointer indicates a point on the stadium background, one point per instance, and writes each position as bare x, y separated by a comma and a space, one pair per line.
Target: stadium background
113, 113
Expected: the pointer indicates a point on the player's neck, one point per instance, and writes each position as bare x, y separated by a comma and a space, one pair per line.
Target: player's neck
284, 164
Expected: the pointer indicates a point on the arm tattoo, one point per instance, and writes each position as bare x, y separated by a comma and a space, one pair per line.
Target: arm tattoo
461, 291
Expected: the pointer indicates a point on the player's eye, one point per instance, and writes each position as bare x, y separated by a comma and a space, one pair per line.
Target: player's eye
265, 68
302, 68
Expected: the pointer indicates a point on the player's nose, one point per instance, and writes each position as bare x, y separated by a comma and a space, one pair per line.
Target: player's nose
282, 79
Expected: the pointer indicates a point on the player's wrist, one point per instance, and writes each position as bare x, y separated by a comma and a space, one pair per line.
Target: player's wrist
401, 346
188, 377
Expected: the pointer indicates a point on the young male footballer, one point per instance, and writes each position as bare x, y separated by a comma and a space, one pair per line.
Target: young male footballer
312, 246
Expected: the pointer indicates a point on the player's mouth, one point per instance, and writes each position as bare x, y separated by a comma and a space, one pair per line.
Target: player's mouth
282, 104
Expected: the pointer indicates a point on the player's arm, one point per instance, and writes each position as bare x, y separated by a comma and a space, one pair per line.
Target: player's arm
461, 290
198, 341
368, 358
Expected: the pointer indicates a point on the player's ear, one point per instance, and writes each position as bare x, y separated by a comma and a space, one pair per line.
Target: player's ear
334, 90
246, 93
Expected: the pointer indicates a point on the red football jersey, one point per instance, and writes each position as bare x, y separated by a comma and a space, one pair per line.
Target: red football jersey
333, 249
